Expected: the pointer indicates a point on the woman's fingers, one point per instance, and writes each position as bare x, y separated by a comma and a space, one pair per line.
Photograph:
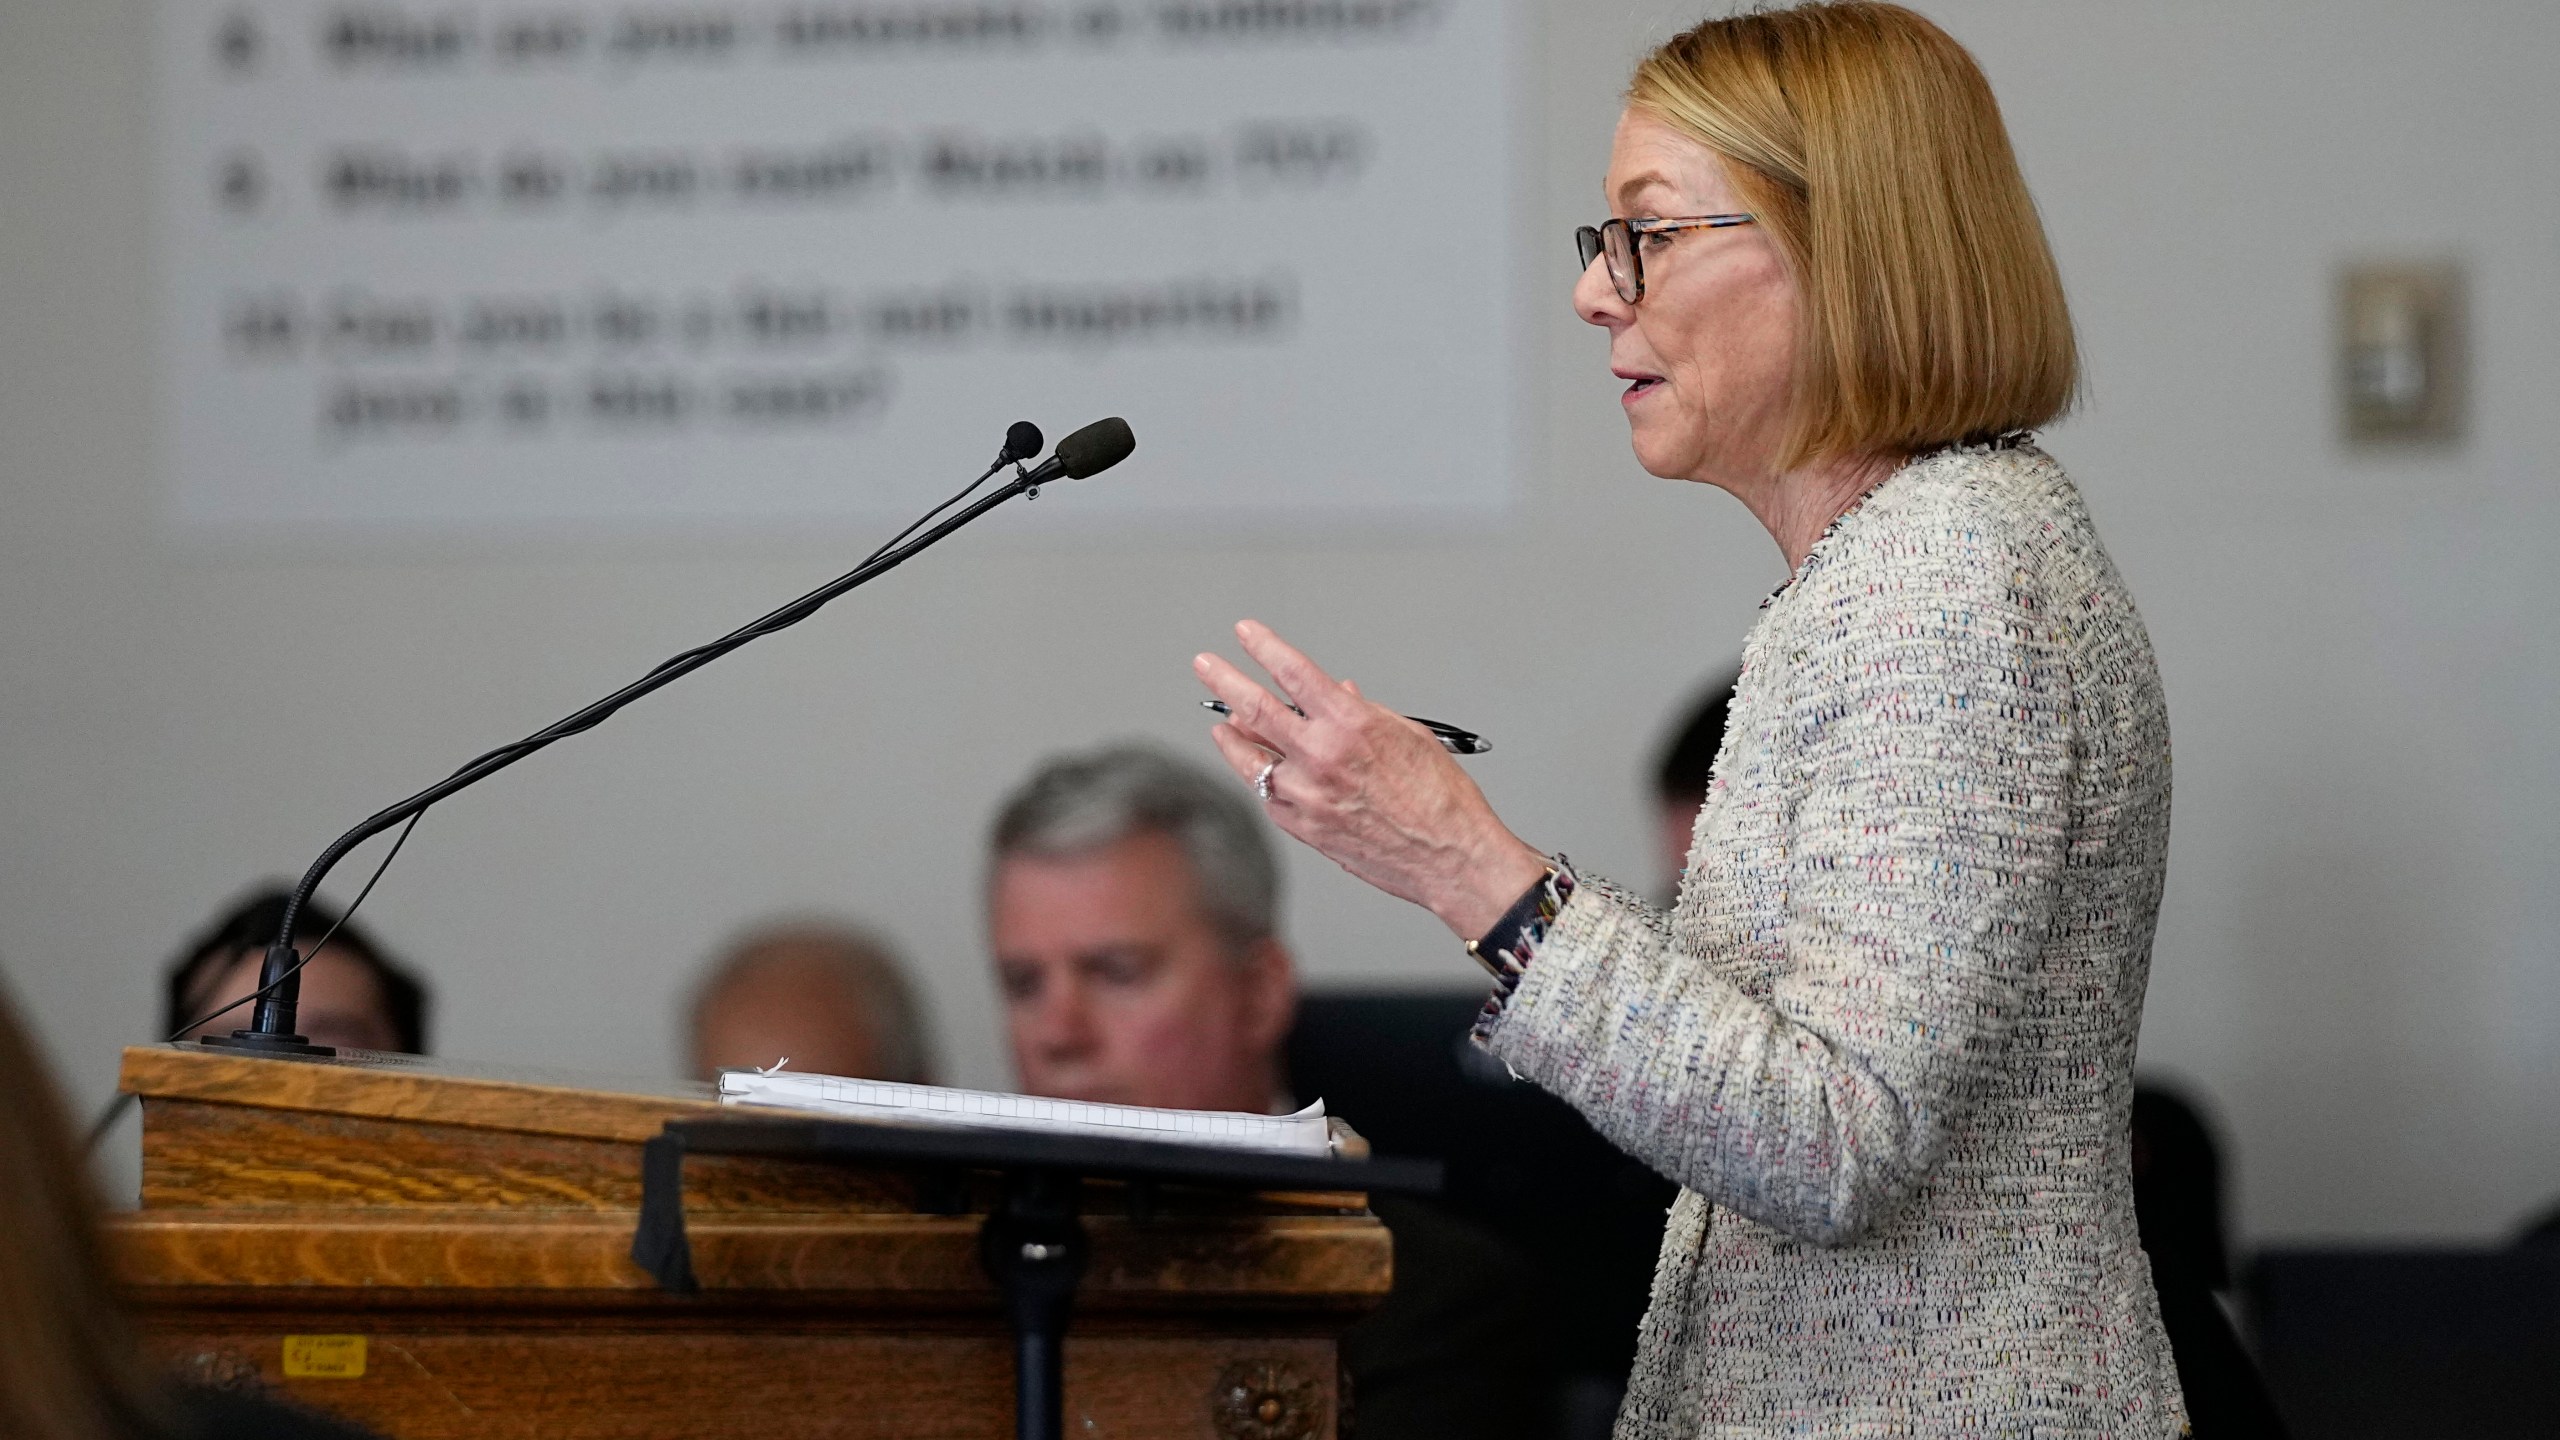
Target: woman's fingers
1260, 742
1242, 755
1368, 788
1301, 678
1249, 706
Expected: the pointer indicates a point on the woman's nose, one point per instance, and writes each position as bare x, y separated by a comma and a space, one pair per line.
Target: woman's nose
1595, 297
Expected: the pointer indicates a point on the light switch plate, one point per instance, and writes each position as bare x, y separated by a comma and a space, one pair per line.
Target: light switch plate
2402, 352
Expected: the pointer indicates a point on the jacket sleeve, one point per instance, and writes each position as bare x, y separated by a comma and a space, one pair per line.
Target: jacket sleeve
1931, 800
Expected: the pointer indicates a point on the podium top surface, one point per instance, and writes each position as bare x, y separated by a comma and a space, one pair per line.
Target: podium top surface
390, 1176
384, 1086
380, 1086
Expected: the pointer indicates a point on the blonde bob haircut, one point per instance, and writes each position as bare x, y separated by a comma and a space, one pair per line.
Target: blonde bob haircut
1868, 144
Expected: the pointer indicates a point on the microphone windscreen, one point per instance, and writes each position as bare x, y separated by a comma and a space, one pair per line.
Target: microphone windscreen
1096, 448
1022, 440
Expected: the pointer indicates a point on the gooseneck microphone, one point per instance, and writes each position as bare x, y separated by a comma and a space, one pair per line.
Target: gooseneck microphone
1089, 451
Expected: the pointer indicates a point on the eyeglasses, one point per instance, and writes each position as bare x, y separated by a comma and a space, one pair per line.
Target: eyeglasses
1616, 240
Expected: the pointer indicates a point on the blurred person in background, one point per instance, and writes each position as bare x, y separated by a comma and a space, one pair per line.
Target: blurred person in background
354, 995
1682, 775
829, 998
71, 1367
2178, 1205
1133, 911
1885, 1039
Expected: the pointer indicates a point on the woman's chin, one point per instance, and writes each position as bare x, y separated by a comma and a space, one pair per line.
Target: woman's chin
1660, 456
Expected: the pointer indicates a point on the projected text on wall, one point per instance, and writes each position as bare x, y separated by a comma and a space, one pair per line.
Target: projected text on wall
588, 264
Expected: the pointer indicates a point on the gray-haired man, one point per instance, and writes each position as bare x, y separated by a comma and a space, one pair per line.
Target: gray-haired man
1133, 907
1133, 910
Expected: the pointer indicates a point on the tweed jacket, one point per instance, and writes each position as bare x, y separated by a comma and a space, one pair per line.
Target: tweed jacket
1885, 1039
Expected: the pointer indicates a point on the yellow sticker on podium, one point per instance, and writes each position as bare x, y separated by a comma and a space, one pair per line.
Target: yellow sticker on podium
323, 1357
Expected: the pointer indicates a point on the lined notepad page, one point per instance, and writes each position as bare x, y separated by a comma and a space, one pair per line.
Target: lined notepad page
1303, 1133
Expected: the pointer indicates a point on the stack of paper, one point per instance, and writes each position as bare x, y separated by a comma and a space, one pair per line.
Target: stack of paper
1303, 1133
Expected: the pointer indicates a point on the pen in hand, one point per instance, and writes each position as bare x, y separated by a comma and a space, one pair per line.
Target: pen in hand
1451, 738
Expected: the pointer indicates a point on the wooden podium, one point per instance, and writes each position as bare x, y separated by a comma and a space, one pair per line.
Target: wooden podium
436, 1250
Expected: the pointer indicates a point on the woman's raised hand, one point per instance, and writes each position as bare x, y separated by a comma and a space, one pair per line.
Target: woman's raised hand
1366, 787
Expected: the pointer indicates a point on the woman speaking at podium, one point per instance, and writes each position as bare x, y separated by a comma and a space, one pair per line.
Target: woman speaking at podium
1885, 1039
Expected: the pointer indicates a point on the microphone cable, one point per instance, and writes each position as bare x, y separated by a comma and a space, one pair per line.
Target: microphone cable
114, 1107
777, 620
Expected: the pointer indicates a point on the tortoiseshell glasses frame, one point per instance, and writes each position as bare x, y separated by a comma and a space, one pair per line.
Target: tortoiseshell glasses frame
1615, 241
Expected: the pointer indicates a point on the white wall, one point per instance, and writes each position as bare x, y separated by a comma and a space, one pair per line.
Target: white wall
2357, 955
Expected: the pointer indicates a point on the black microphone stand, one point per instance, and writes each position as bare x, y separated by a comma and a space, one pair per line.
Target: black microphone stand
279, 977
